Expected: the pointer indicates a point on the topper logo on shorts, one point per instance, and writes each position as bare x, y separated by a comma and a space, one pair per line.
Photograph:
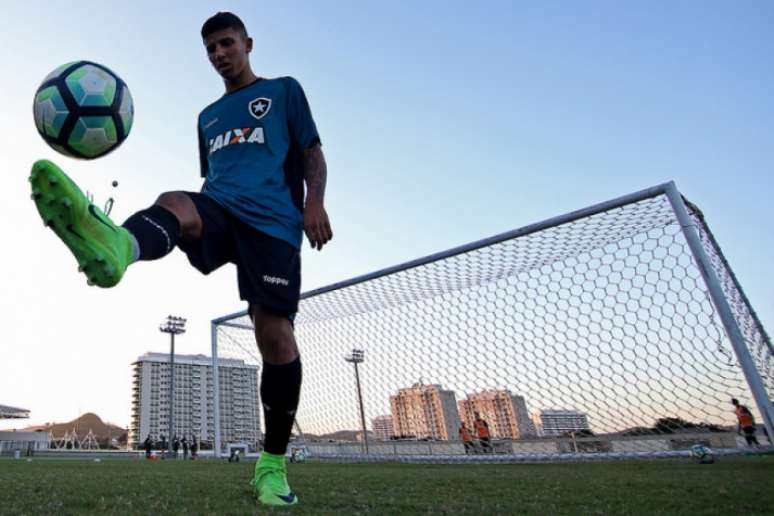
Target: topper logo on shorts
274, 280
259, 107
237, 136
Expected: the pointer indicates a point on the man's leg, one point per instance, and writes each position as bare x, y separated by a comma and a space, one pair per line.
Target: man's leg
280, 391
157, 230
103, 249
749, 433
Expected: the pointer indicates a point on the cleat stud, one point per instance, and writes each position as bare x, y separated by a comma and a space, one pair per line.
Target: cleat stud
35, 196
67, 202
52, 180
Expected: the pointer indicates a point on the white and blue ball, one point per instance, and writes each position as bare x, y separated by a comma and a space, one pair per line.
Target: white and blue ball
702, 454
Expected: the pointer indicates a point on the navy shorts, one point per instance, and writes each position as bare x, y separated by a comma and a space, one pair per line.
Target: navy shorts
268, 269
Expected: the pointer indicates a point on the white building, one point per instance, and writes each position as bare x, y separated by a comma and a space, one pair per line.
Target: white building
194, 394
559, 422
382, 427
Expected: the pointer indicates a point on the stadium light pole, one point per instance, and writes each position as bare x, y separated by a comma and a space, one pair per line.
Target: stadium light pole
174, 326
356, 356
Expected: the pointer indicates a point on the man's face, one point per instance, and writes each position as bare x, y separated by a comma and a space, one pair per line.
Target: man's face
228, 51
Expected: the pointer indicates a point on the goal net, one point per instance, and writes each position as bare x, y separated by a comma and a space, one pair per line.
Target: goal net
592, 334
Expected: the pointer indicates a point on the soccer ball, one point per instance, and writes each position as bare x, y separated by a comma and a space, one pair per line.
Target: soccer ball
702, 454
83, 110
297, 455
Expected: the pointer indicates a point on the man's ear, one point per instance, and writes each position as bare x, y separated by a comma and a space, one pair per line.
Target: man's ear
249, 45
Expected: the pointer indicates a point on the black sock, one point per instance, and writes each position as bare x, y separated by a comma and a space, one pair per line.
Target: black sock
156, 230
280, 392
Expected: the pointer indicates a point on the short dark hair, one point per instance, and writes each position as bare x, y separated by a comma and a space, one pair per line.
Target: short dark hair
734, 401
221, 21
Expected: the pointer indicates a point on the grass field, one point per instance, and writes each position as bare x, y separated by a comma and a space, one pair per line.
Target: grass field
740, 485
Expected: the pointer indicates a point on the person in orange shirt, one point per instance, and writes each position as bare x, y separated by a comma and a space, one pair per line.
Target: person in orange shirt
482, 431
467, 438
746, 423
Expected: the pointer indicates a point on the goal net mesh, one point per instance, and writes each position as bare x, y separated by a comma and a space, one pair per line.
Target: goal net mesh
591, 334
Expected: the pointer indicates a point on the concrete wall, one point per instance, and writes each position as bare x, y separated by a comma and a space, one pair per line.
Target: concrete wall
600, 444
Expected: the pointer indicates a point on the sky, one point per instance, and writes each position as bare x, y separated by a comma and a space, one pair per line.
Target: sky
442, 123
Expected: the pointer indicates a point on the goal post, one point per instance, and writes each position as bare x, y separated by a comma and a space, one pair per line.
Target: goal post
691, 228
617, 330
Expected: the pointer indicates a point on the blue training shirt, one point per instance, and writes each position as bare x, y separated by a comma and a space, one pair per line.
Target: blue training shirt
251, 144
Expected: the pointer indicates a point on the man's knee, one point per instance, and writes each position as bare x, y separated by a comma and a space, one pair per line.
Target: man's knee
274, 334
181, 205
273, 330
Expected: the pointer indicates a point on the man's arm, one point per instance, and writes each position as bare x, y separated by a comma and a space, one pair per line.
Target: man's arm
316, 224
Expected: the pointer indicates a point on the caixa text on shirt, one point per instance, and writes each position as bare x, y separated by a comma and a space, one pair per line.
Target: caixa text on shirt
236, 136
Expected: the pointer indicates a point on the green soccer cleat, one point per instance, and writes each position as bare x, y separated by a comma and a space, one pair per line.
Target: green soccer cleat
103, 250
270, 484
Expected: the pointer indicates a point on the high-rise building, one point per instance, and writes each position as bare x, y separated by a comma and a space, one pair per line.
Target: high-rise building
538, 423
506, 413
559, 422
382, 427
194, 399
424, 411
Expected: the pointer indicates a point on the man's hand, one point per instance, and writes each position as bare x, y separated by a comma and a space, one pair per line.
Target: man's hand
316, 225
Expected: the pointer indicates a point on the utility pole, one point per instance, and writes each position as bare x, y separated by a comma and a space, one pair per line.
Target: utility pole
356, 357
173, 326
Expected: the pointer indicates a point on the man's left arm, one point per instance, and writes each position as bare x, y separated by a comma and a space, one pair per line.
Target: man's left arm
317, 226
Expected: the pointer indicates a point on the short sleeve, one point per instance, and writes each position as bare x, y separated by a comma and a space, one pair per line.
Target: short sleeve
303, 130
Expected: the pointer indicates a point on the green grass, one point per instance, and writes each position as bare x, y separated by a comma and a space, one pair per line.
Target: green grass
740, 485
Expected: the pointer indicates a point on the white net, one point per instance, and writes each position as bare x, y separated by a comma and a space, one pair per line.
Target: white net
589, 334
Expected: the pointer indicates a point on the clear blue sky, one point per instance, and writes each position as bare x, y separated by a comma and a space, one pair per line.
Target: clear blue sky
442, 122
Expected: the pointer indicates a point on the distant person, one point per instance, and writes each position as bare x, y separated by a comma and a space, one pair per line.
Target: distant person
194, 448
745, 423
175, 446
163, 446
148, 445
467, 438
184, 442
482, 432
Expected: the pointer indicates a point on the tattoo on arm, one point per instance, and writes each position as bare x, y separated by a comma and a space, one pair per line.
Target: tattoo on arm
315, 173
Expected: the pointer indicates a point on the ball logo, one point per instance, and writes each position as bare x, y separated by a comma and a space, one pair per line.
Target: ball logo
259, 107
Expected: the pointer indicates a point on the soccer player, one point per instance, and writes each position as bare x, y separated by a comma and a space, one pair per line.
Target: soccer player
745, 422
482, 432
258, 144
148, 445
467, 438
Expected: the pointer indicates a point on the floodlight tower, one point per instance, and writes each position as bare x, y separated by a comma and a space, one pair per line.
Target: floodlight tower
173, 326
356, 356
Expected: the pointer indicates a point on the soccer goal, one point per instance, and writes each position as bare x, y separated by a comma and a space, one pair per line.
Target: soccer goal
618, 330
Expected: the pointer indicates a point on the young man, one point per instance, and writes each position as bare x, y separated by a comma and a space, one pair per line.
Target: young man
467, 438
148, 445
482, 432
258, 145
745, 422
